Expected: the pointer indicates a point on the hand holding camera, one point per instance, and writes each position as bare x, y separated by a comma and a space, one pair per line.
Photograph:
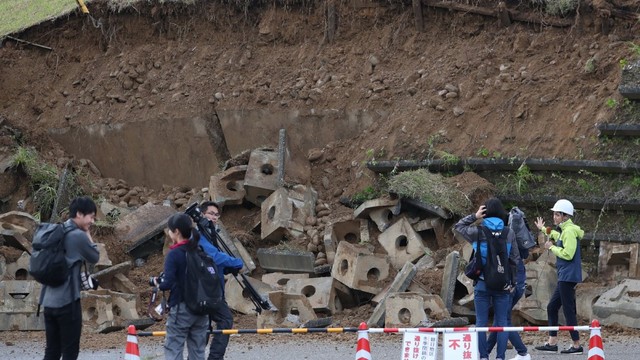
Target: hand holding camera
155, 281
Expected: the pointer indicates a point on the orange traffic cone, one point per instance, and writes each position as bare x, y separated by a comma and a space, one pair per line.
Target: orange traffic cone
363, 349
132, 352
596, 350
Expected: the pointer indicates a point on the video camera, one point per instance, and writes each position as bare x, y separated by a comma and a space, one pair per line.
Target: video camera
206, 228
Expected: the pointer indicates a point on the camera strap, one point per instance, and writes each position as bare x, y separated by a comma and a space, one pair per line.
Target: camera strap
151, 308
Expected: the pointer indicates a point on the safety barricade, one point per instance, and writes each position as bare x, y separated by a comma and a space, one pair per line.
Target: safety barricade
418, 343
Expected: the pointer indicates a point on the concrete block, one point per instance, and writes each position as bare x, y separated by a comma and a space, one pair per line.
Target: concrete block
586, 297
97, 310
274, 259
239, 299
293, 310
434, 307
227, 187
543, 279
23, 220
449, 278
617, 261
399, 284
330, 244
620, 305
277, 216
3, 268
402, 243
237, 249
143, 229
19, 296
425, 224
121, 283
404, 310
380, 211
358, 268
261, 177
103, 261
11, 236
19, 270
320, 292
279, 280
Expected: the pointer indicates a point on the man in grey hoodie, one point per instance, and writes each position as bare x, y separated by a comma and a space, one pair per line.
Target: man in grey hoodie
62, 311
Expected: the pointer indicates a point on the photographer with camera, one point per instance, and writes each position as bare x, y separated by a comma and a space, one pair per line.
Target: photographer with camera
182, 324
226, 265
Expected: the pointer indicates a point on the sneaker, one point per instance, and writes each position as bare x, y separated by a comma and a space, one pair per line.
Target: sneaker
573, 350
522, 357
547, 347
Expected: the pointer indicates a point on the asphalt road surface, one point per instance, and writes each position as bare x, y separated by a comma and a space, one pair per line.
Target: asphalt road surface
301, 346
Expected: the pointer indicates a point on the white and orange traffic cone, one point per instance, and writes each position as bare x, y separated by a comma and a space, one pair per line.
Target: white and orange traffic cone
132, 352
596, 349
363, 349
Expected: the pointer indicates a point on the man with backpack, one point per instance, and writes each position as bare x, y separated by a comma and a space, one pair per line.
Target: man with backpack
62, 311
498, 251
569, 267
226, 264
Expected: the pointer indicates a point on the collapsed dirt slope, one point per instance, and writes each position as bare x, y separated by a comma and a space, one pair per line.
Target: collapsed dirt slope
465, 85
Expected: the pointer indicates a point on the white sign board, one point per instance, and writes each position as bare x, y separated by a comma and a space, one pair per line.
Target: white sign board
419, 346
460, 346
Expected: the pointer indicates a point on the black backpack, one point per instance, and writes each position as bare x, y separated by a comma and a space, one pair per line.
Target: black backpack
520, 226
497, 271
48, 264
202, 289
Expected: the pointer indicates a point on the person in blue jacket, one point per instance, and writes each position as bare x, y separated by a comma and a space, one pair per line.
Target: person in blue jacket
492, 216
226, 264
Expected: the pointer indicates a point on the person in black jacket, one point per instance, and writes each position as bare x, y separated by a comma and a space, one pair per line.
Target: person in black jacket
182, 324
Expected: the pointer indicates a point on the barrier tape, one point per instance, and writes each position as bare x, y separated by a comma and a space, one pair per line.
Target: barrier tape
386, 330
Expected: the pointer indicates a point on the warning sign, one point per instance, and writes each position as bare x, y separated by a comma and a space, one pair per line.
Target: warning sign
462, 345
419, 346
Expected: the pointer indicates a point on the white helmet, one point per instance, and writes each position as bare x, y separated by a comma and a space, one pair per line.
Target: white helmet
563, 206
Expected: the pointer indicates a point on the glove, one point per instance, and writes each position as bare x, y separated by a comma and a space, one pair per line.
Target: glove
233, 271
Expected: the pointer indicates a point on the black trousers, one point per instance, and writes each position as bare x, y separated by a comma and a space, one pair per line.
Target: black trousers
63, 327
564, 296
224, 320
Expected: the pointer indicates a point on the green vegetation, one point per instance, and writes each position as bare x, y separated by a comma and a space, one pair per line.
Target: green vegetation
524, 176
430, 188
484, 152
561, 7
17, 15
368, 193
590, 66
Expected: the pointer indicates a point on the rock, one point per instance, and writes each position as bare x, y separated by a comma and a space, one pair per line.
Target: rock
457, 111
451, 88
315, 154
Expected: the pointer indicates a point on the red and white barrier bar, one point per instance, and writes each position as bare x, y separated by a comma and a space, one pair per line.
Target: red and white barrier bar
483, 329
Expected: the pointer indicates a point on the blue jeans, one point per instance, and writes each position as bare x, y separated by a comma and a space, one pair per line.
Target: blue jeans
514, 337
501, 300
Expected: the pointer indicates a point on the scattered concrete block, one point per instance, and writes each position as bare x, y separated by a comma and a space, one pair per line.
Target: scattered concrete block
404, 310
424, 224
274, 259
279, 280
293, 311
620, 305
435, 307
586, 297
18, 305
618, 261
543, 279
322, 292
431, 209
97, 310
19, 270
358, 268
14, 238
121, 283
105, 276
277, 216
330, 244
261, 178
227, 187
143, 229
380, 211
239, 299
402, 243
21, 219
399, 284
103, 261
3, 268
449, 279
237, 249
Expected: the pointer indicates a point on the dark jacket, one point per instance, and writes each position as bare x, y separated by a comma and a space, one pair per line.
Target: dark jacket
567, 251
175, 268
470, 233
